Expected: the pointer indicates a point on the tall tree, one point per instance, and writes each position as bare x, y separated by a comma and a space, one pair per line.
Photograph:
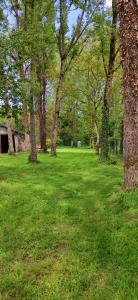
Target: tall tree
108, 85
31, 48
128, 15
30, 21
42, 113
45, 63
68, 48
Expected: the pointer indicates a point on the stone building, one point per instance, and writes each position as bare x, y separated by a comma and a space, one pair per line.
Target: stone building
21, 142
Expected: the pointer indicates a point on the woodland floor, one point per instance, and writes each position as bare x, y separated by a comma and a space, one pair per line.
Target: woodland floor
67, 232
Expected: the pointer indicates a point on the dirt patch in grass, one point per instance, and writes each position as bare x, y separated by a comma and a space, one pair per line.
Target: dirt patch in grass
63, 226
132, 219
60, 248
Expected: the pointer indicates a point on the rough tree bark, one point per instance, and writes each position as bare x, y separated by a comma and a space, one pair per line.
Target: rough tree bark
74, 132
94, 119
30, 7
57, 111
121, 138
33, 154
61, 77
128, 15
74, 124
10, 138
42, 115
108, 86
25, 122
25, 119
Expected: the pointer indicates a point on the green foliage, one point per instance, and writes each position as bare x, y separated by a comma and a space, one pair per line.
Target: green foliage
33, 42
59, 141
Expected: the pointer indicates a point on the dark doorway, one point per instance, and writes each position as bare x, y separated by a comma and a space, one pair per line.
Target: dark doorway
4, 143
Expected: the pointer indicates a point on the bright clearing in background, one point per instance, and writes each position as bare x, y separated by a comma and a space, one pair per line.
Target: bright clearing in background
108, 2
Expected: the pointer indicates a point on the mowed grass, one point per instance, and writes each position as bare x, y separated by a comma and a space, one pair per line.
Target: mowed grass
68, 232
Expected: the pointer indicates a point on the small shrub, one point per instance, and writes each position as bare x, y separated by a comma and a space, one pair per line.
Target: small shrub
112, 162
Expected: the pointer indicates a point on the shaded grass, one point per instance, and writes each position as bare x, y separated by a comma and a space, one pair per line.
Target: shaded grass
67, 230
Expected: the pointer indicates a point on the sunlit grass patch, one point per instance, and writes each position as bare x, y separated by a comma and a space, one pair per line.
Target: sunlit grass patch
68, 232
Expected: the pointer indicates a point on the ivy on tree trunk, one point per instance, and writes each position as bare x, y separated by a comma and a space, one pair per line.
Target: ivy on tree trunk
128, 15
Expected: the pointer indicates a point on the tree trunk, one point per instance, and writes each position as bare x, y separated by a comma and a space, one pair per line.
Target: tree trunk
10, 137
56, 120
42, 117
25, 119
121, 138
128, 15
97, 132
63, 55
74, 126
105, 124
33, 155
25, 122
91, 142
108, 87
57, 112
116, 146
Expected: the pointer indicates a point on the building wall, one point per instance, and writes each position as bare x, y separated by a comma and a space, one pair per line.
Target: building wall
22, 141
3, 130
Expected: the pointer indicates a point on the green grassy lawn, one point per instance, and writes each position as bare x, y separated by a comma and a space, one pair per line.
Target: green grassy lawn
67, 232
